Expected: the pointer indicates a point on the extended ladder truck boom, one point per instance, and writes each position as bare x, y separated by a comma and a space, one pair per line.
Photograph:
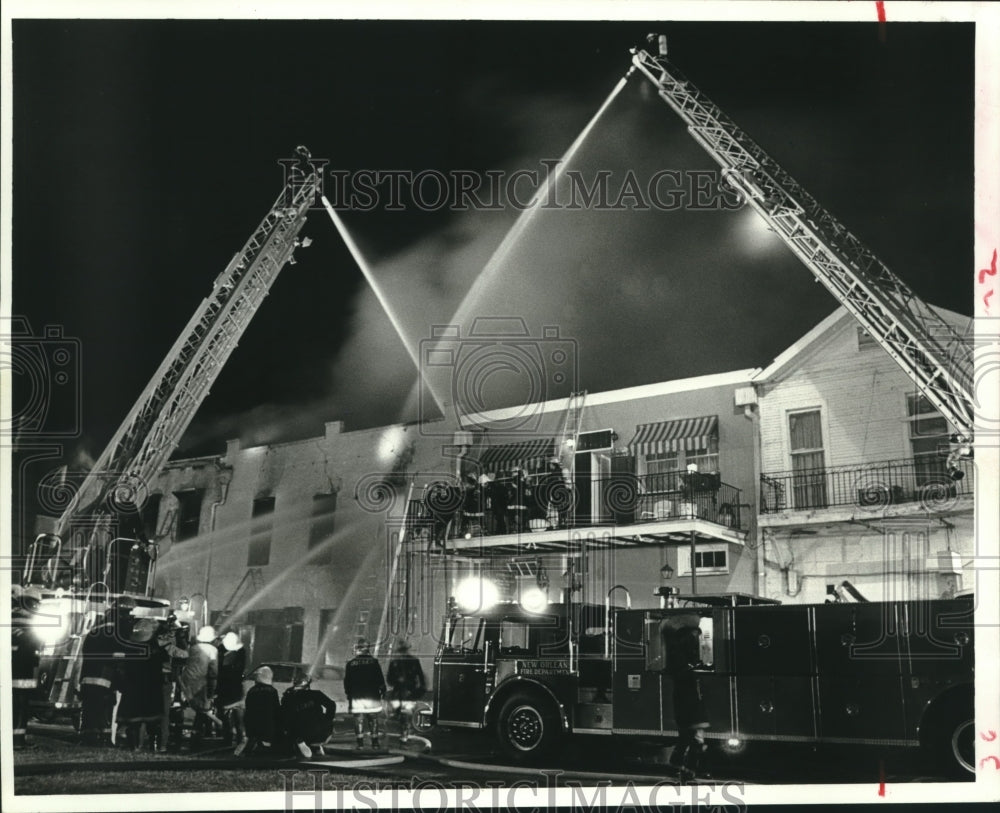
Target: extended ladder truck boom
86, 557
930, 351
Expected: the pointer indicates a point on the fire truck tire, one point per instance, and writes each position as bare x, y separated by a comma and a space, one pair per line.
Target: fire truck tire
951, 740
528, 727
963, 746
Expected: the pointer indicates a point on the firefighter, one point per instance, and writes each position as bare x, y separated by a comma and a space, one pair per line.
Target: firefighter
173, 642
24, 647
308, 715
496, 504
229, 694
407, 684
198, 680
682, 643
97, 690
519, 496
263, 714
141, 704
473, 516
364, 685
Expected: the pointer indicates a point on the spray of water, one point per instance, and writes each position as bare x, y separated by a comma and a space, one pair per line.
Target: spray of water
379, 293
307, 561
527, 216
346, 604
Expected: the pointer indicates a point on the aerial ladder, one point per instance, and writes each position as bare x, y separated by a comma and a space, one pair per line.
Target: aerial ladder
86, 562
929, 350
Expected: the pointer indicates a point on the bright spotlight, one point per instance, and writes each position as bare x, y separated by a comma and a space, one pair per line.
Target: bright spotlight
475, 594
51, 624
734, 745
534, 600
753, 236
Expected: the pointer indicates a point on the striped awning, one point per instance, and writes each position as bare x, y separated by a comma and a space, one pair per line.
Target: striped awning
672, 436
526, 453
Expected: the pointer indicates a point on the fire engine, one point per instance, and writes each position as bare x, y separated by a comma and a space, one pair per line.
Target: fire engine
890, 673
880, 673
99, 553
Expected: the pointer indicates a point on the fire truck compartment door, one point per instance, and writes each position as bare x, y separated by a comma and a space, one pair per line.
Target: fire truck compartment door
637, 695
775, 706
715, 695
461, 690
772, 641
862, 707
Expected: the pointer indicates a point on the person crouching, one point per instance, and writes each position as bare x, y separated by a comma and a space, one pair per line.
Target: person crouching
262, 716
308, 715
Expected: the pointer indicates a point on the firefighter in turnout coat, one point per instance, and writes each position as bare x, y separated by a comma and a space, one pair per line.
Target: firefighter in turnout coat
308, 715
407, 685
364, 685
682, 644
141, 705
97, 691
24, 647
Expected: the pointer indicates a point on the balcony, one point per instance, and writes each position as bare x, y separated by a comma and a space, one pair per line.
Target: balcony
649, 508
870, 486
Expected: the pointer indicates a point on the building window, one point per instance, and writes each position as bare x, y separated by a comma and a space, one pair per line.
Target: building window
929, 439
865, 340
321, 527
660, 471
151, 515
805, 433
260, 532
188, 513
325, 643
706, 459
709, 559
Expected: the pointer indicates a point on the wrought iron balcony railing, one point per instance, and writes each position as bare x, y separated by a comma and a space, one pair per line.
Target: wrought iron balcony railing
617, 499
871, 486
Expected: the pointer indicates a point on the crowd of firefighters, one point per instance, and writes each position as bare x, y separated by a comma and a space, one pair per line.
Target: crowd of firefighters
146, 682
500, 502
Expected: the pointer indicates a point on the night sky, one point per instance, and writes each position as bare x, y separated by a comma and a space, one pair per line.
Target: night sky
145, 153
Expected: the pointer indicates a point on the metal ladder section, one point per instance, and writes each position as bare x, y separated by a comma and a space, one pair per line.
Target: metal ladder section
153, 427
571, 429
394, 609
929, 350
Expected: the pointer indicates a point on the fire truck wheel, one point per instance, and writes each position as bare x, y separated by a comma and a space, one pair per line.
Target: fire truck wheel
950, 740
962, 747
528, 727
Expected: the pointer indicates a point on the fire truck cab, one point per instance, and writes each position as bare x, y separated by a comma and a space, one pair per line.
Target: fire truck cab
890, 673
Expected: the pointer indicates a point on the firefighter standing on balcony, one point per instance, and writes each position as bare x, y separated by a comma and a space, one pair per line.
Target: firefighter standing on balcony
364, 685
24, 647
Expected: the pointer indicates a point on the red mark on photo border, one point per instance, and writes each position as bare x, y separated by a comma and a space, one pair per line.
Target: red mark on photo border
984, 760
880, 9
992, 735
983, 273
881, 762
